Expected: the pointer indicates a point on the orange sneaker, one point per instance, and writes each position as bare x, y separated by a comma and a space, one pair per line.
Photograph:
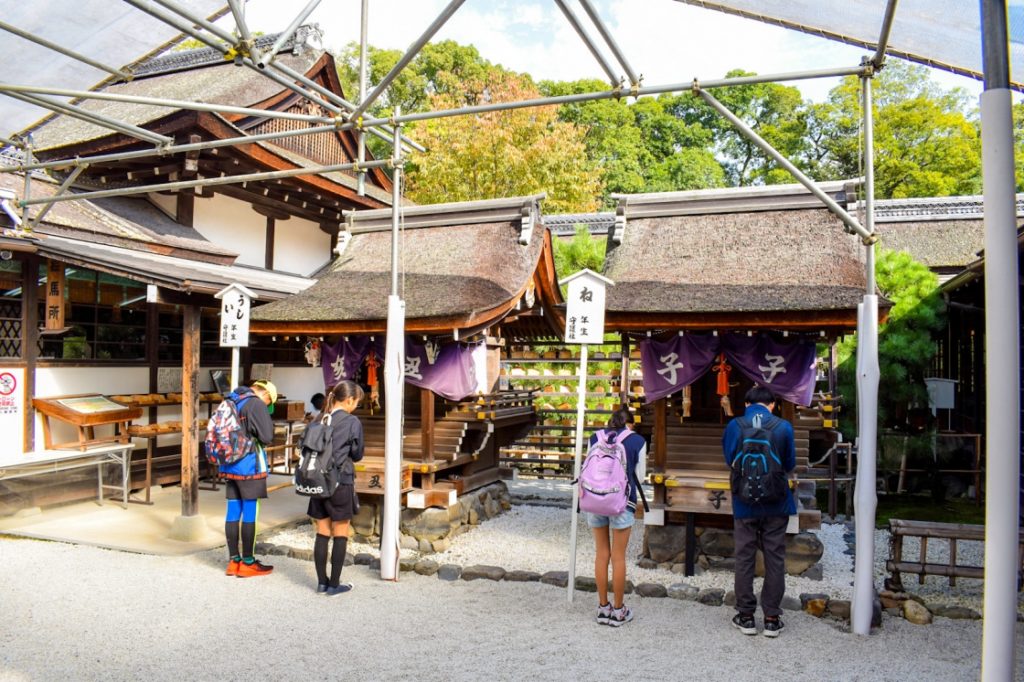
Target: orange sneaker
232, 567
254, 569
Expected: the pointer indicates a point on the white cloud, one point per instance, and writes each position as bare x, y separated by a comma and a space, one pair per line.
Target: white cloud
664, 40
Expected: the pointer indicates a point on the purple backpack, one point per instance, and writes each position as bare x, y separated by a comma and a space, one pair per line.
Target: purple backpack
604, 485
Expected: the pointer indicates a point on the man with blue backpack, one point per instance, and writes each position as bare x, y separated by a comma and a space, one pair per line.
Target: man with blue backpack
761, 453
236, 438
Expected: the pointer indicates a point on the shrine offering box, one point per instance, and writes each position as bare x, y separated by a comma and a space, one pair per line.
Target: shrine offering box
290, 410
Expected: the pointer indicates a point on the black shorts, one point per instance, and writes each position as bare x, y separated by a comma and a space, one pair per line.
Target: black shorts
341, 506
251, 489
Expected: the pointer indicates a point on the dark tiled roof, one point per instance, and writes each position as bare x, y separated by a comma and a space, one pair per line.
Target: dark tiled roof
564, 225
182, 60
783, 260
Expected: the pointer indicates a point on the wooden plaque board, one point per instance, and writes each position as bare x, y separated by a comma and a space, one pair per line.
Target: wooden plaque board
85, 412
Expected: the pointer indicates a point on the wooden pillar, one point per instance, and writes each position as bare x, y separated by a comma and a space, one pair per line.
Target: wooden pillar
788, 410
268, 253
30, 342
189, 412
624, 376
660, 434
427, 433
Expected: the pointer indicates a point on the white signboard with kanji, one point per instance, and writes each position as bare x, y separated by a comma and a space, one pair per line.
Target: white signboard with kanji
235, 302
584, 303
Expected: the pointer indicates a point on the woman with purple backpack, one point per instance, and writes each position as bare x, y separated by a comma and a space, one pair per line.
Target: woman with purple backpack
611, 531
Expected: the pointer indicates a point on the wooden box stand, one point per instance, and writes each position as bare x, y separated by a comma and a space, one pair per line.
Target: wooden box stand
85, 412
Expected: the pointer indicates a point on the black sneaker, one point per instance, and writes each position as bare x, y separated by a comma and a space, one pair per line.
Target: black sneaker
773, 626
340, 589
745, 624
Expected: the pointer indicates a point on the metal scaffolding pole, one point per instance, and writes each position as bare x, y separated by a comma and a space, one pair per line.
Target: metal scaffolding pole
8, 142
161, 102
883, 37
96, 119
165, 151
582, 33
60, 190
606, 34
65, 51
1002, 352
749, 133
268, 56
866, 502
361, 140
407, 57
206, 182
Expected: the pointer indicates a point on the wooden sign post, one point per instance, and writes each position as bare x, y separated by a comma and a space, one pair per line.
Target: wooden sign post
235, 302
584, 323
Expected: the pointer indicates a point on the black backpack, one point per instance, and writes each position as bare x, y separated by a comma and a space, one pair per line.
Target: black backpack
316, 474
757, 476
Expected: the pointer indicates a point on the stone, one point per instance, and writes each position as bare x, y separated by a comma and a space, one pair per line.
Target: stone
585, 584
730, 598
815, 572
956, 612
711, 596
430, 524
664, 543
301, 554
703, 563
891, 600
449, 572
803, 550
629, 587
263, 548
816, 607
679, 569
644, 562
665, 566
441, 545
481, 571
493, 508
408, 542
683, 591
651, 590
474, 517
716, 542
839, 609
807, 596
426, 567
506, 504
522, 577
375, 564
365, 521
727, 564
791, 603
424, 546
556, 578
916, 613
363, 559
406, 564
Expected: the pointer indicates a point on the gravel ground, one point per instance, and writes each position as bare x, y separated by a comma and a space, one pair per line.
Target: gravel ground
80, 613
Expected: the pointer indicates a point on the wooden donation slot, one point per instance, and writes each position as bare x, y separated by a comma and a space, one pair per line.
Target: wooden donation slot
370, 476
85, 412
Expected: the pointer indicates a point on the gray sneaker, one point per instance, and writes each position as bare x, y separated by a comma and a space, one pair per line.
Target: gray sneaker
621, 616
773, 627
744, 622
604, 613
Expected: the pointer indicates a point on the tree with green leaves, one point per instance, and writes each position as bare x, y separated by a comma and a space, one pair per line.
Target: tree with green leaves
906, 341
582, 251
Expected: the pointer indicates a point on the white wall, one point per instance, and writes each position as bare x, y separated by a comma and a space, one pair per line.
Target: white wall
168, 203
298, 383
234, 225
300, 246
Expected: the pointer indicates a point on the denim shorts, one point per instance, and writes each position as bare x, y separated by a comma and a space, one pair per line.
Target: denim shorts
617, 522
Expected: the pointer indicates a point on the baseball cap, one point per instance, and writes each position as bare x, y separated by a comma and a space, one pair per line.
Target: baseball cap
269, 388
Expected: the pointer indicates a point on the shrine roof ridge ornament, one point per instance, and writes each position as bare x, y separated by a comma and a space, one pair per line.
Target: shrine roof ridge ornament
526, 209
588, 273
968, 207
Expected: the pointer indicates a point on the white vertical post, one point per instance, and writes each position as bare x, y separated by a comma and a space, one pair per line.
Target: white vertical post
581, 407
394, 382
235, 378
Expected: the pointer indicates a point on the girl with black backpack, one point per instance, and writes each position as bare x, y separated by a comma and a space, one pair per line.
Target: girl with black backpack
332, 515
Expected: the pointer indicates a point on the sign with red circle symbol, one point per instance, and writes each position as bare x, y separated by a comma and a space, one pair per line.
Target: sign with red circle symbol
8, 383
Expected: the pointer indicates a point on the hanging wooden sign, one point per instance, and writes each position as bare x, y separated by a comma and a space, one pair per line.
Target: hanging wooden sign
55, 284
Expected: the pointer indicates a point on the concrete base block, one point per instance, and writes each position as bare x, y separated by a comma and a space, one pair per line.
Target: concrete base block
188, 528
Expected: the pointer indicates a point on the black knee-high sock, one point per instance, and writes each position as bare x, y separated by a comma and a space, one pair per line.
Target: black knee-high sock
231, 533
320, 557
248, 538
338, 559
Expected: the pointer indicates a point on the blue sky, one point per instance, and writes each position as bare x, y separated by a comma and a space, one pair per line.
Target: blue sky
666, 41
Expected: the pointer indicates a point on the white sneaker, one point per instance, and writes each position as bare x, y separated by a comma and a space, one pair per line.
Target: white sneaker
604, 613
620, 616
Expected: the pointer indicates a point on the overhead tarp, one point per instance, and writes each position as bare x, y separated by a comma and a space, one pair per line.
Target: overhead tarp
944, 34
114, 34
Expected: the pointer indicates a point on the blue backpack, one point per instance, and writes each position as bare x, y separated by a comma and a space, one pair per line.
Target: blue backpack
757, 476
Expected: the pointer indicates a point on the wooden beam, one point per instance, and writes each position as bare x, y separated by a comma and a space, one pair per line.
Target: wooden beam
427, 423
30, 342
185, 208
189, 411
268, 252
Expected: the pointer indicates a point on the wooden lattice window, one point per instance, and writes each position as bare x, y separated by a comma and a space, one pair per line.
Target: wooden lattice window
10, 309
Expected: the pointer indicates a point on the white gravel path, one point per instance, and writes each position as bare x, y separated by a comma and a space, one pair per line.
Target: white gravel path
80, 613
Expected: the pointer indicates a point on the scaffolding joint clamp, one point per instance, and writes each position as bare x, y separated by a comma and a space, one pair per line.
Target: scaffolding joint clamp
870, 239
695, 88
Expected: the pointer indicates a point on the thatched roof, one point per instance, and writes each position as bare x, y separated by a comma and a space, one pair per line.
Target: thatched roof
462, 265
732, 251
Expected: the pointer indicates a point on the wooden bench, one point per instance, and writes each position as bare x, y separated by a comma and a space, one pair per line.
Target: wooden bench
53, 461
953, 569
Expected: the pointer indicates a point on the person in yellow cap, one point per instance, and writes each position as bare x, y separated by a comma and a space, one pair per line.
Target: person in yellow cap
246, 479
